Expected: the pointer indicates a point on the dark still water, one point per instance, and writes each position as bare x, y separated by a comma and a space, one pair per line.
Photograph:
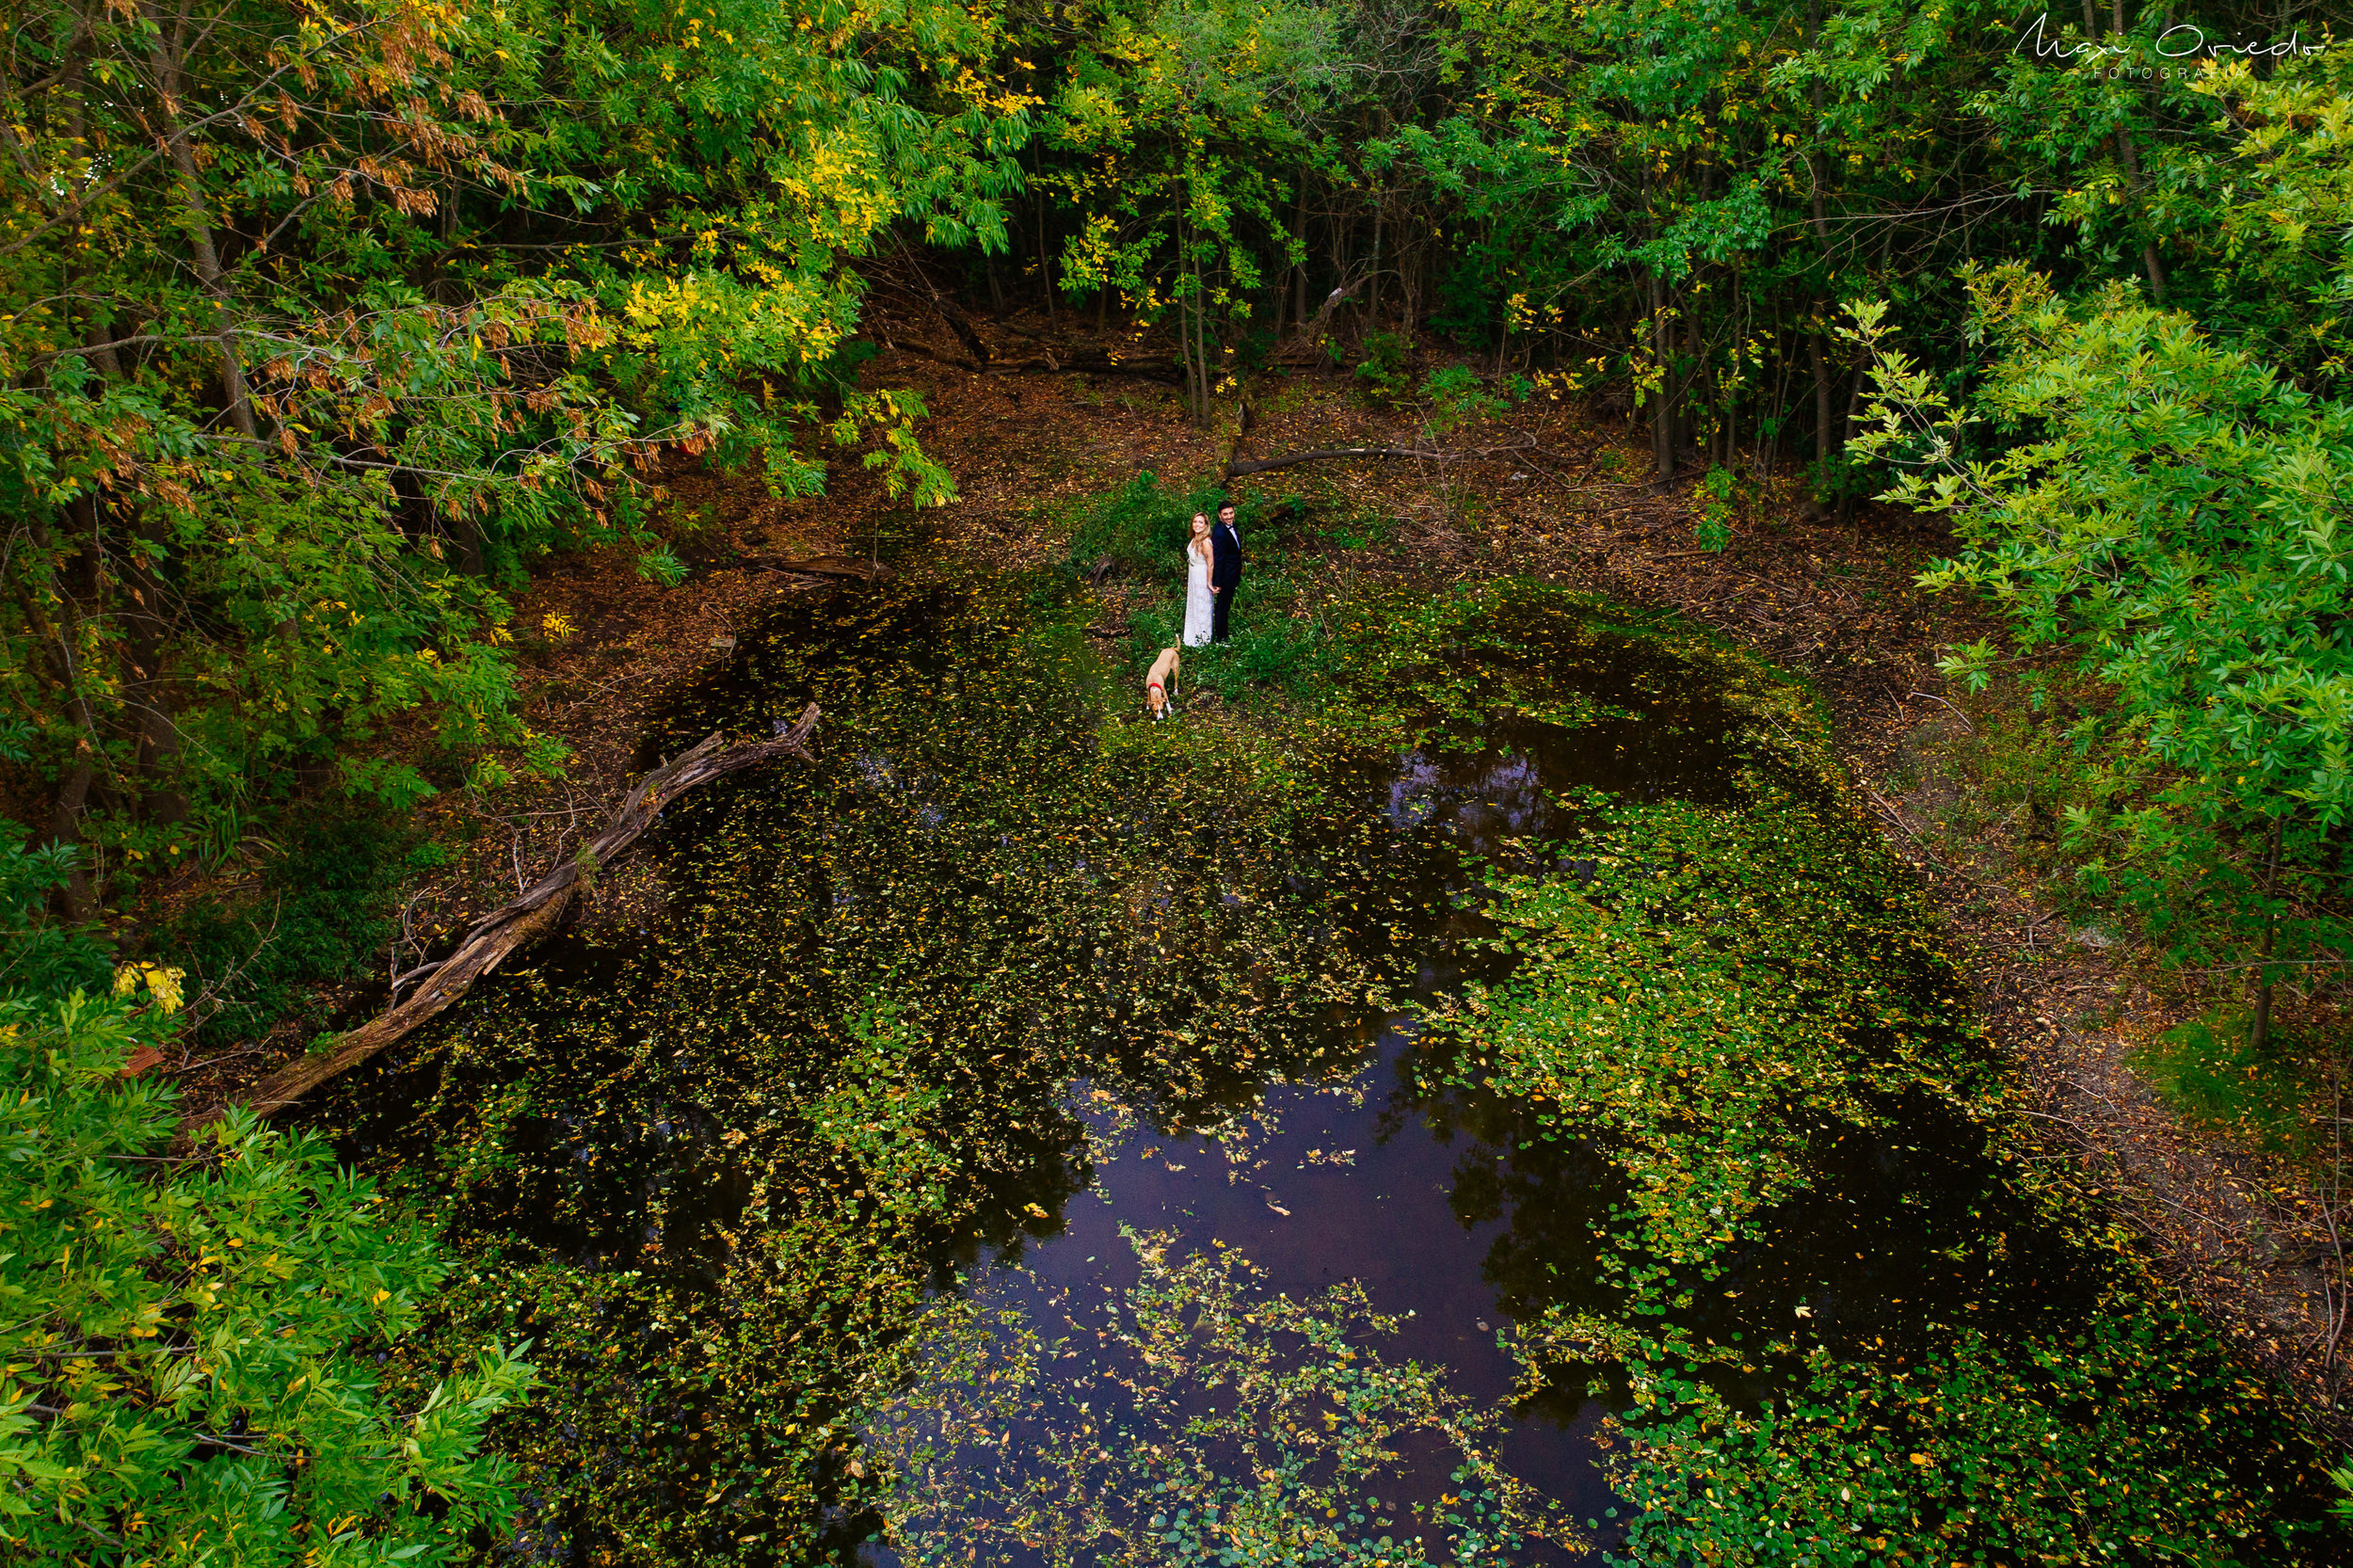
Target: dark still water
1498, 1111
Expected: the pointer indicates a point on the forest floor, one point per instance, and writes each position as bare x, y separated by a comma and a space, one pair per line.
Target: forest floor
2245, 1235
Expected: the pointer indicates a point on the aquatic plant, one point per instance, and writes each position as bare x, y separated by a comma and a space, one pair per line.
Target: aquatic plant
1227, 1424
1741, 1006
717, 1169
1750, 1155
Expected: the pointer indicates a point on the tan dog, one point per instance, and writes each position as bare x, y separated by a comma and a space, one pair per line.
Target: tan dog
1159, 687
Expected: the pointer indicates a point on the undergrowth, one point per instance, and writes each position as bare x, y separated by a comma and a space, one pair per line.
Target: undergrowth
2105, 831
323, 911
1142, 528
2209, 1071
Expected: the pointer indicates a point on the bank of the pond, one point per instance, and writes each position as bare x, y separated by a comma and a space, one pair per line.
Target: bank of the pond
1744, 1170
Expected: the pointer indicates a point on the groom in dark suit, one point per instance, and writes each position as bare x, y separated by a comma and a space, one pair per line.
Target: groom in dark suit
1224, 571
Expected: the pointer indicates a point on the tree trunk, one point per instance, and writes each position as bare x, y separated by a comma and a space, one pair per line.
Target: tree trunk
1232, 470
1201, 326
1822, 413
2131, 160
2264, 981
438, 985
1692, 398
72, 900
1815, 341
1045, 260
1298, 241
1662, 421
162, 52
468, 542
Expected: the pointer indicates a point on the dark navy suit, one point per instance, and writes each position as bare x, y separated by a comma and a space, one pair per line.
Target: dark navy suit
1225, 576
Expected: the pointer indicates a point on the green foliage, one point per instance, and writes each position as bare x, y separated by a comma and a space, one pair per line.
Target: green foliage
1384, 375
305, 364
184, 1370
39, 955
1791, 944
714, 1185
1183, 123
183, 1376
1453, 396
323, 911
2001, 1447
2167, 508
1306, 1425
1714, 529
1738, 1005
887, 1119
2280, 204
1269, 651
1421, 669
2209, 1069
2037, 755
1142, 528
1356, 528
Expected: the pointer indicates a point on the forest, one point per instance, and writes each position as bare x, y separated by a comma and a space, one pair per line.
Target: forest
331, 328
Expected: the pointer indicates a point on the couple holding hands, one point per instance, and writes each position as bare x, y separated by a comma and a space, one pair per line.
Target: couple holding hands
1213, 572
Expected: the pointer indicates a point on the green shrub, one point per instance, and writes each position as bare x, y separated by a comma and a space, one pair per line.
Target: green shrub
189, 1379
37, 955
2040, 755
1714, 529
1383, 374
1154, 627
2207, 1070
1142, 528
186, 1345
325, 911
1270, 652
1358, 528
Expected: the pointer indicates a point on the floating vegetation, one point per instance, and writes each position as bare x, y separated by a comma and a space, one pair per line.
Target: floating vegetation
1196, 1418
1649, 1147
1847, 1320
717, 1169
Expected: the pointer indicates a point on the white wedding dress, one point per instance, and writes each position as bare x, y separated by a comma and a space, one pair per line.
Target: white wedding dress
1198, 600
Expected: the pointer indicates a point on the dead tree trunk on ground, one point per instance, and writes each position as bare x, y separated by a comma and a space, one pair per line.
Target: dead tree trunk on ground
438, 985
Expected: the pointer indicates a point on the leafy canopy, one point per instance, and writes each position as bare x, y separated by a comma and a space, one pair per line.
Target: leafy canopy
185, 1373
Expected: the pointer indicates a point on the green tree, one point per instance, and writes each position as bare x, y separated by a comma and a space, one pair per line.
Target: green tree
1181, 126
319, 323
2174, 511
183, 1375
2280, 217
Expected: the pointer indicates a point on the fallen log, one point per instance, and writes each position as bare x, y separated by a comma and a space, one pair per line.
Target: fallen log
934, 355
1230, 469
945, 308
434, 987
1325, 454
1163, 371
822, 566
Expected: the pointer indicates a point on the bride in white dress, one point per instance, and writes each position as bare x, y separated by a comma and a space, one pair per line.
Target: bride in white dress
1199, 602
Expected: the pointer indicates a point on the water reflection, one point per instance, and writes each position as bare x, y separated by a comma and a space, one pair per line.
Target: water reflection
1460, 1214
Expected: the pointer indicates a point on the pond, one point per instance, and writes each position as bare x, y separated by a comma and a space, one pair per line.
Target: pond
1505, 1109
